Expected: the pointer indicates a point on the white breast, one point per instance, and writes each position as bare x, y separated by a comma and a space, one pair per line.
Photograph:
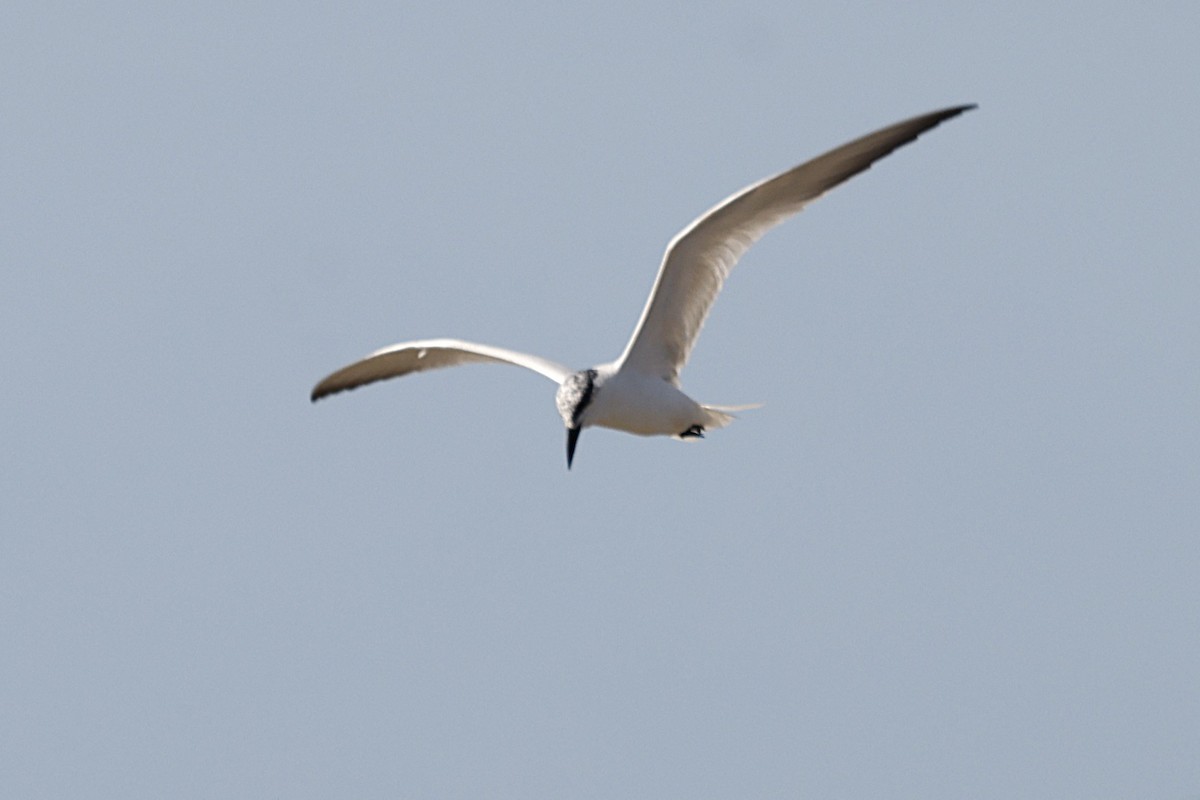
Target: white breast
645, 405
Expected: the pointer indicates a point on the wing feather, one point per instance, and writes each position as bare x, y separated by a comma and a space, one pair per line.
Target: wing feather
701, 256
408, 357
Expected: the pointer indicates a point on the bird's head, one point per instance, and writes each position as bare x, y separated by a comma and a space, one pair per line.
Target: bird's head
574, 396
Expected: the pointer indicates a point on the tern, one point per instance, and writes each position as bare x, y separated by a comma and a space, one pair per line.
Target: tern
640, 391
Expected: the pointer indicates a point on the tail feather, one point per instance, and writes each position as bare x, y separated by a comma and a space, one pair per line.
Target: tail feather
720, 416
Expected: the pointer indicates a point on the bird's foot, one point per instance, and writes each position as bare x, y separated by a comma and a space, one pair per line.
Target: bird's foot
696, 431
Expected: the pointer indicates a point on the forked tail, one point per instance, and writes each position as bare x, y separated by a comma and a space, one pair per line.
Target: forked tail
720, 416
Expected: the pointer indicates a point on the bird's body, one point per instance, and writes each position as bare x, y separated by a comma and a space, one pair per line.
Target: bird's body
632, 401
640, 392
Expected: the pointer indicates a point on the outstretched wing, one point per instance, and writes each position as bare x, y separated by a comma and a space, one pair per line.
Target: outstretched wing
401, 359
701, 256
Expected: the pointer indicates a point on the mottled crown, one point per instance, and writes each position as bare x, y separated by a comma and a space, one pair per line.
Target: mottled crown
573, 396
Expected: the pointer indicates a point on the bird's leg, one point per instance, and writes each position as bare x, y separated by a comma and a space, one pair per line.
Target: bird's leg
696, 431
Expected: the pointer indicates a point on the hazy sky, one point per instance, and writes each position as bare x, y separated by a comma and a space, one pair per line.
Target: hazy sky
954, 555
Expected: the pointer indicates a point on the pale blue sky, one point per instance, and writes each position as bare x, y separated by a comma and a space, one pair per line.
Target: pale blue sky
954, 555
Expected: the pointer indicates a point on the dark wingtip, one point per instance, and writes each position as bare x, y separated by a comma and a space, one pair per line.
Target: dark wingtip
938, 117
321, 390
951, 112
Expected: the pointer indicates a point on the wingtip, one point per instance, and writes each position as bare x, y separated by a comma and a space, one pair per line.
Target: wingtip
326, 388
951, 111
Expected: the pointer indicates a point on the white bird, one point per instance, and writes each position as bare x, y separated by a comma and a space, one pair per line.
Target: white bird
640, 391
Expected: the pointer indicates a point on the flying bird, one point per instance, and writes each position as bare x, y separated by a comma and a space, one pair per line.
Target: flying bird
640, 391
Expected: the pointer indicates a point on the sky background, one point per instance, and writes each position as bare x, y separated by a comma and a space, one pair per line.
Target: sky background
954, 555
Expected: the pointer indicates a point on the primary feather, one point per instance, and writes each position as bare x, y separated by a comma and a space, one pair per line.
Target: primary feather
701, 256
407, 357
